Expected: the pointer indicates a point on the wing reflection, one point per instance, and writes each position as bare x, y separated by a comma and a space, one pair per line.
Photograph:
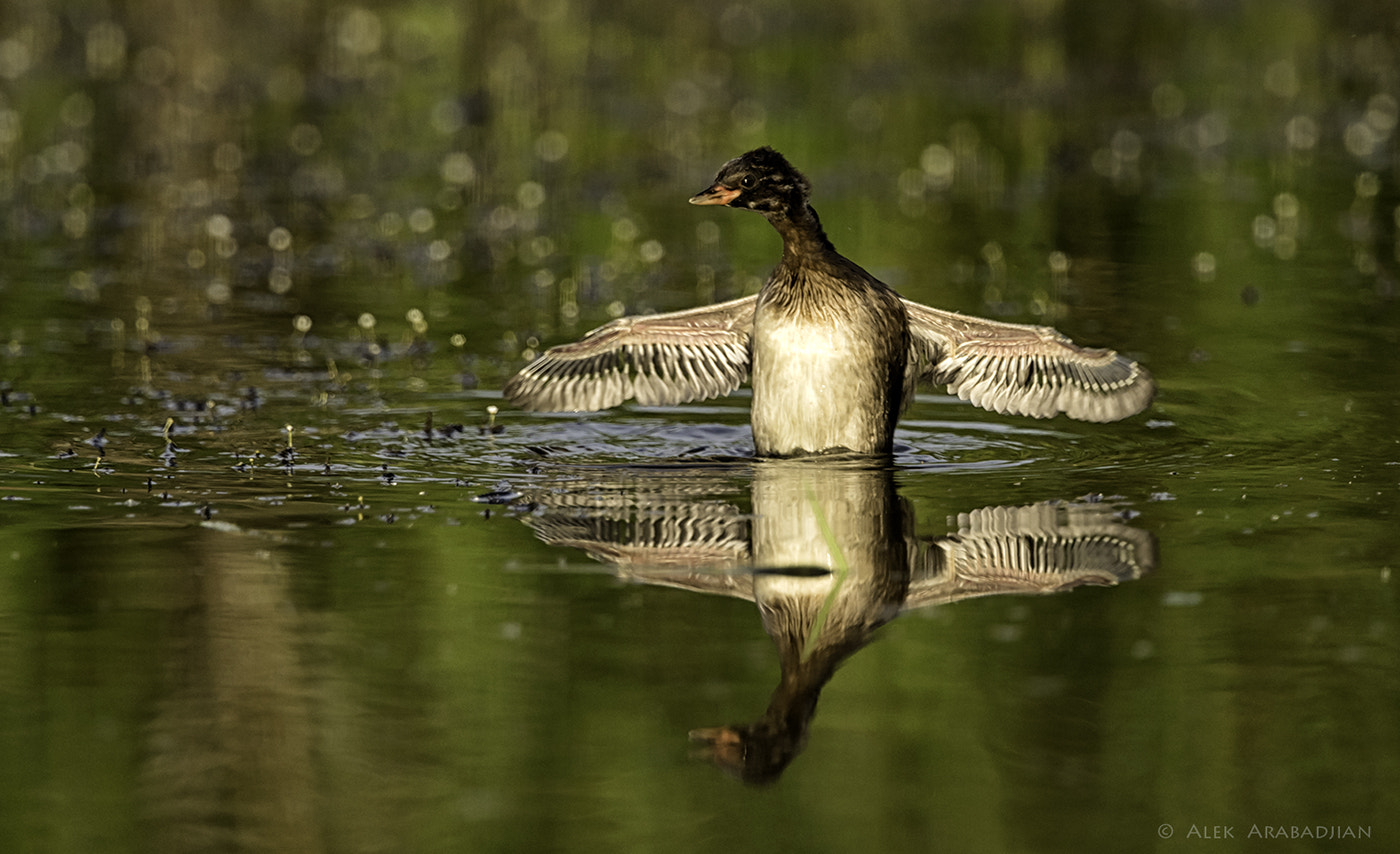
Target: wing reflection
828, 554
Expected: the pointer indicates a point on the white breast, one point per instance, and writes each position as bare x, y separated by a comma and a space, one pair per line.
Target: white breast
814, 387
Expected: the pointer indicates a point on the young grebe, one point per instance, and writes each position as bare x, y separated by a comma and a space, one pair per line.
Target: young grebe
834, 354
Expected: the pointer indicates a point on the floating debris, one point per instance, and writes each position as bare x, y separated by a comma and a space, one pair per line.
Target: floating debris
491, 427
504, 493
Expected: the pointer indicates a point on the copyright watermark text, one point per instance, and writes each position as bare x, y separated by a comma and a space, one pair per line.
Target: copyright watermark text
1266, 831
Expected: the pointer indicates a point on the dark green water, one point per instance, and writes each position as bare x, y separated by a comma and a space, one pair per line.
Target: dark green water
268, 582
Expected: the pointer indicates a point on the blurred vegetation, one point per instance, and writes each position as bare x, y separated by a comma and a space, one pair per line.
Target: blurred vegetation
517, 170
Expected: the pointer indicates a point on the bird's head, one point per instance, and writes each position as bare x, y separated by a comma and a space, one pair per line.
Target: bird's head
761, 180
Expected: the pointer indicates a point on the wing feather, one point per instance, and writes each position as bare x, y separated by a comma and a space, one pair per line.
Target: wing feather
1016, 369
658, 359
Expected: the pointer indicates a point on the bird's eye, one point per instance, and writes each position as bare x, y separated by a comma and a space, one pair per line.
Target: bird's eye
747, 182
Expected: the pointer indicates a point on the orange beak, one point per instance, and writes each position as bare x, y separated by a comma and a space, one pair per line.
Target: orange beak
716, 195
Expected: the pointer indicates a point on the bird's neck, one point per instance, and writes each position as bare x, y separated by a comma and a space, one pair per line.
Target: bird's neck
803, 237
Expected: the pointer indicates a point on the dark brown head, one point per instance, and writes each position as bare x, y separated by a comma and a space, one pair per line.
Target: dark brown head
761, 180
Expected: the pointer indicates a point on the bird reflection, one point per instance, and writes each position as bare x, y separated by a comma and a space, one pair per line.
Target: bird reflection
828, 554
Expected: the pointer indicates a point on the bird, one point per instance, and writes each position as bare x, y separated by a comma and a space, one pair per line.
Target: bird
833, 355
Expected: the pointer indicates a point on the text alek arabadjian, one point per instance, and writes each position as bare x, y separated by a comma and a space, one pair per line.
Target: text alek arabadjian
1269, 831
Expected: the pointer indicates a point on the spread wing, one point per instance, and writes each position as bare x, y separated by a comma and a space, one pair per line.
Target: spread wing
1041, 548
1024, 370
659, 359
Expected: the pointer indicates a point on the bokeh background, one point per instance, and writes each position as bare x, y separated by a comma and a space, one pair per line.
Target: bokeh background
264, 265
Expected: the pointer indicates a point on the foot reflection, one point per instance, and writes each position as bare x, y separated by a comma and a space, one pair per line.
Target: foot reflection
829, 555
